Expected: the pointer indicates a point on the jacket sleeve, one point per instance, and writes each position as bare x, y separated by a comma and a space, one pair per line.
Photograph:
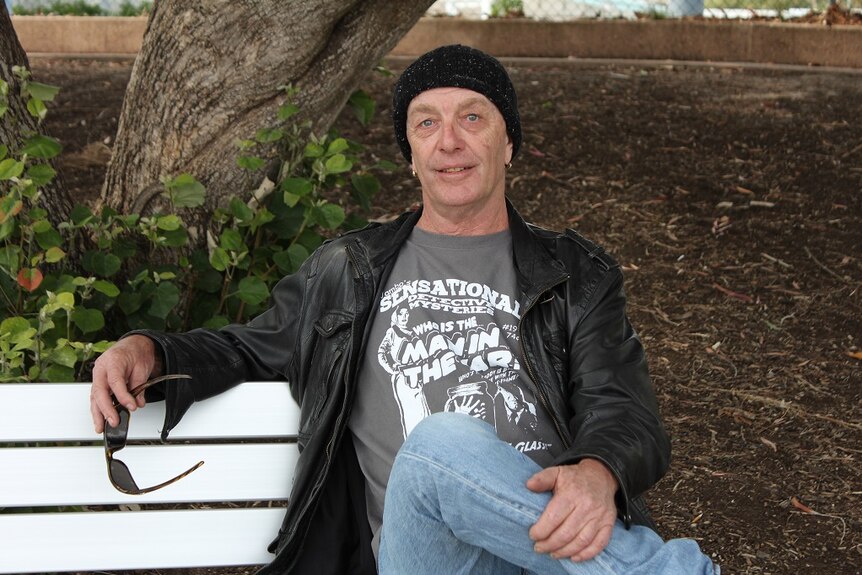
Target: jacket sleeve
615, 417
217, 360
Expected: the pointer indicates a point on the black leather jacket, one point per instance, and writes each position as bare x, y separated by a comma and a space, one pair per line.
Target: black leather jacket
580, 351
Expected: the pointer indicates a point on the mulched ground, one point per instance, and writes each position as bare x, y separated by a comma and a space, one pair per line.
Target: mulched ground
731, 196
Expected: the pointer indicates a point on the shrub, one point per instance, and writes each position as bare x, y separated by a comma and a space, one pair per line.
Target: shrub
68, 290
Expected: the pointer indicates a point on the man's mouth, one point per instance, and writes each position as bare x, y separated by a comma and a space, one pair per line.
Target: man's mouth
453, 170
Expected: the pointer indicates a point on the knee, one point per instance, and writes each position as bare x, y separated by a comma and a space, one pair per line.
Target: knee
455, 430
441, 440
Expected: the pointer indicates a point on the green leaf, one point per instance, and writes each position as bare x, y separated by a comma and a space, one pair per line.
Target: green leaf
386, 165
101, 263
297, 186
244, 145
338, 164
3, 149
250, 162
167, 296
295, 189
289, 260
10, 206
168, 223
363, 106
17, 327
6, 228
54, 255
41, 174
88, 320
366, 187
268, 135
40, 146
107, 288
130, 302
81, 215
252, 290
216, 322
262, 217
219, 259
231, 239
37, 108
209, 281
175, 238
9, 258
285, 111
49, 239
185, 191
56, 374
41, 226
337, 146
240, 210
313, 150
11, 168
328, 216
41, 91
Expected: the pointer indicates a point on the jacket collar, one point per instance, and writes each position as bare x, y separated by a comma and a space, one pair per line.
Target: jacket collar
536, 268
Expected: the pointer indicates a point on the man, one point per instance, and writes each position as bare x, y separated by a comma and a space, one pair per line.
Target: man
483, 303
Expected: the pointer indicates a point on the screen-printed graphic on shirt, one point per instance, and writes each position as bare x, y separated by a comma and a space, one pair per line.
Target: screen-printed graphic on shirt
461, 361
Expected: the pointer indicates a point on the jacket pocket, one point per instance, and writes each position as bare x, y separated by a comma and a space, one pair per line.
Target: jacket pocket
325, 367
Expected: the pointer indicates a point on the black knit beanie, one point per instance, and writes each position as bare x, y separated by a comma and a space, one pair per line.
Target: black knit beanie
456, 66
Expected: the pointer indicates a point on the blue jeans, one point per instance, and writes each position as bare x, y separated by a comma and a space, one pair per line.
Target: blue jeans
457, 503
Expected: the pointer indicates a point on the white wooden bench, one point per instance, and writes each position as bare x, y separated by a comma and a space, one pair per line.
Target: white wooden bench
50, 456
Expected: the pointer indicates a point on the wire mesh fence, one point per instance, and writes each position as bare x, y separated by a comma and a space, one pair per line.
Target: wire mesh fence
562, 10
553, 10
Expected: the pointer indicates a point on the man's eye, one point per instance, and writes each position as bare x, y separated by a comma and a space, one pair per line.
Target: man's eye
472, 117
426, 123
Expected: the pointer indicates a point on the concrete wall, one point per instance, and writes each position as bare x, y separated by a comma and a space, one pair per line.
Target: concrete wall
806, 44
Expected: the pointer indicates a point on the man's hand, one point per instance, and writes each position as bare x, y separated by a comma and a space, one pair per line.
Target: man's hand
578, 521
128, 363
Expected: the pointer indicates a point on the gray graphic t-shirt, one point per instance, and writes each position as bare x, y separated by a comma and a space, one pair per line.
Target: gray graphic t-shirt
445, 338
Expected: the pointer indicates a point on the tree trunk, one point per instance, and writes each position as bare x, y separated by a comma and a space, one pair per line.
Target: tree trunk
209, 73
17, 121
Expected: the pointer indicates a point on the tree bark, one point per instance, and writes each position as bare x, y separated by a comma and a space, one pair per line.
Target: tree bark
209, 73
17, 121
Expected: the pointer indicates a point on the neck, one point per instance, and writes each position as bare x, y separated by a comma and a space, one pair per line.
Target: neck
462, 221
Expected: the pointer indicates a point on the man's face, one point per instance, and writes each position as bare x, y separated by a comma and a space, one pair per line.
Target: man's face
460, 148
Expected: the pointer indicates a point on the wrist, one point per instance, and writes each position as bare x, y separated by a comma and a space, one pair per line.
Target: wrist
601, 471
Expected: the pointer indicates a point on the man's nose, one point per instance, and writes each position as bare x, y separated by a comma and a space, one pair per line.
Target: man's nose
451, 138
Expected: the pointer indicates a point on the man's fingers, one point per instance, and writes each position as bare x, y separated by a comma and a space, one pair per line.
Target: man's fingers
101, 407
128, 363
599, 542
579, 518
573, 538
551, 520
543, 481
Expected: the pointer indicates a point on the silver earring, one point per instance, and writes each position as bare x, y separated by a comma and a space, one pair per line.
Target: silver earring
508, 165
413, 171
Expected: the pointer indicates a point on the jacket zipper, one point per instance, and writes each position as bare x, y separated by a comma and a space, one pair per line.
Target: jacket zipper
531, 371
626, 514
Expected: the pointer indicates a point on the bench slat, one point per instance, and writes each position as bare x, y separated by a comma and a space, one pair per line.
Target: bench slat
77, 475
60, 412
90, 541
39, 475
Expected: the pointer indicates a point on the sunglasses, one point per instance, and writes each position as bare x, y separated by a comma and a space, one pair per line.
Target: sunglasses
115, 440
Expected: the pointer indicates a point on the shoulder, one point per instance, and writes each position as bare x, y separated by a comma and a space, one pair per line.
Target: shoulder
572, 248
371, 241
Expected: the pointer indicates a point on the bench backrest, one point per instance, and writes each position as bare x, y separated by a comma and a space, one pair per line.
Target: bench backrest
50, 456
